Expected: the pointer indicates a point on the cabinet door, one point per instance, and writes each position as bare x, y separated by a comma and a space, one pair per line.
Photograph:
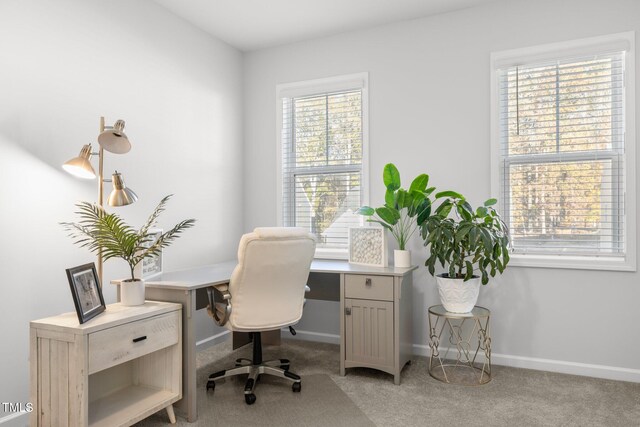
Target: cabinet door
369, 332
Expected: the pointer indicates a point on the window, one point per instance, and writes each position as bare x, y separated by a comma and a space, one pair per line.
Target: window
564, 152
323, 146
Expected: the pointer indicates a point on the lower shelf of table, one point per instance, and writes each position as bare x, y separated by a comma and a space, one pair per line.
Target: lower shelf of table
127, 406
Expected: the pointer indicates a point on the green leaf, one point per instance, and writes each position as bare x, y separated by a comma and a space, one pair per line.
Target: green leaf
419, 183
424, 211
404, 199
452, 194
388, 215
391, 177
486, 238
444, 209
481, 211
390, 198
469, 274
366, 211
418, 197
385, 225
473, 236
463, 212
485, 277
490, 202
463, 230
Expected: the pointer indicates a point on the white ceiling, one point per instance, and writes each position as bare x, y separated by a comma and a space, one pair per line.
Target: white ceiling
257, 24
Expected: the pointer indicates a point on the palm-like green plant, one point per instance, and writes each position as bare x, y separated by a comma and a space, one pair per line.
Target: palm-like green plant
110, 237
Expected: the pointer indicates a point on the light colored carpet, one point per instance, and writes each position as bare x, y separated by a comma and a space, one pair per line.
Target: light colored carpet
515, 397
320, 403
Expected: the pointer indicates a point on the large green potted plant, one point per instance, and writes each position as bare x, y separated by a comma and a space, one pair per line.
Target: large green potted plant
403, 211
471, 247
109, 236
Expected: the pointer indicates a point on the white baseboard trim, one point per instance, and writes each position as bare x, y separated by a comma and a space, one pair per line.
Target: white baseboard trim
538, 364
312, 336
213, 340
14, 419
550, 365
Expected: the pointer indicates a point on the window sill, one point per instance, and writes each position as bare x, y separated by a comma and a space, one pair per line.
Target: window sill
323, 253
573, 262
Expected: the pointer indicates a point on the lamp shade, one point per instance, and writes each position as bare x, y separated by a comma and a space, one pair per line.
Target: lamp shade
121, 195
81, 166
114, 140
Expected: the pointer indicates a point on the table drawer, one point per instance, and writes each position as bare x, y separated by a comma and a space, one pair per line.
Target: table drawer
122, 343
368, 287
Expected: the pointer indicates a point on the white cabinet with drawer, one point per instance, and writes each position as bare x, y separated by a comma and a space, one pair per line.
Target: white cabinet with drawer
115, 370
376, 321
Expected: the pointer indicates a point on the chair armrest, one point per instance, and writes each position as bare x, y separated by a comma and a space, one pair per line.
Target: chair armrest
219, 303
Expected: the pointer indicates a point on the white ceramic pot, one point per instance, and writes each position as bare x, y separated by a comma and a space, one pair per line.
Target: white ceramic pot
132, 293
456, 295
401, 259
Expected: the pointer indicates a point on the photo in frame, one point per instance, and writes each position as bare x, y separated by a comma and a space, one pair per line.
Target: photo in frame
368, 246
86, 292
150, 266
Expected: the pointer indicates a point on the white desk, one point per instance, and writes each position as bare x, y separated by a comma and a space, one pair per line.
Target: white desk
327, 282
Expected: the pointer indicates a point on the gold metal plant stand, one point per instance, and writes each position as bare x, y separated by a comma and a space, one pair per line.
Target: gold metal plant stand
463, 330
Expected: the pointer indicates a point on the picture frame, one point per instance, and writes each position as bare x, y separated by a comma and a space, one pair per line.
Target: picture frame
86, 291
150, 266
368, 246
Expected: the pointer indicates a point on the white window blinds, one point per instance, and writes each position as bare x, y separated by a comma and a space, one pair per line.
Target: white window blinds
562, 155
322, 152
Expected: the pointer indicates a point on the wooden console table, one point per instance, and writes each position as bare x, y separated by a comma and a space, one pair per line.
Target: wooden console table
114, 370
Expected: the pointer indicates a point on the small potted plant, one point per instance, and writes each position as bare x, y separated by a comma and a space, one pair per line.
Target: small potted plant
109, 236
403, 211
471, 247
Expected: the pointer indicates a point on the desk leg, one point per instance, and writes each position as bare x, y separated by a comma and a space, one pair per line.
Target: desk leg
187, 404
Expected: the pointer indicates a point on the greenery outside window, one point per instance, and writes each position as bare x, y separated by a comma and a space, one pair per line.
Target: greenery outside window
322, 135
563, 154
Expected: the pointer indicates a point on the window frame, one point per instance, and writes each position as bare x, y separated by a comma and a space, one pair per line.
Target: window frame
356, 81
593, 45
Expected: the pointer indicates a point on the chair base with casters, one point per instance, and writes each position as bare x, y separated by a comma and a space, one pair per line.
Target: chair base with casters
254, 368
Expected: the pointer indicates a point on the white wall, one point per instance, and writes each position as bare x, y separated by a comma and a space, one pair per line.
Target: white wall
63, 64
429, 112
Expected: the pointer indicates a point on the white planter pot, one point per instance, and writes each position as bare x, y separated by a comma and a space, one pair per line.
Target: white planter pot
456, 295
132, 293
401, 259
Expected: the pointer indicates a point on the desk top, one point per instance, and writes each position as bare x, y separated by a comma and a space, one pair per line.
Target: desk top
215, 274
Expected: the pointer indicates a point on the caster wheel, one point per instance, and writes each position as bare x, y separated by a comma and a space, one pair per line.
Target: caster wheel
250, 399
211, 385
285, 367
296, 387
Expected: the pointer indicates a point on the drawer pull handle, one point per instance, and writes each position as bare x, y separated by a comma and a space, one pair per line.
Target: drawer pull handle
367, 281
142, 338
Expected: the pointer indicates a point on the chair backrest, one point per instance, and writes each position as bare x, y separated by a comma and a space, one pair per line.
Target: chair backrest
267, 286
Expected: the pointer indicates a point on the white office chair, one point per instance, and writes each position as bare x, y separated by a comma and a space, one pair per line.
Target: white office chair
266, 292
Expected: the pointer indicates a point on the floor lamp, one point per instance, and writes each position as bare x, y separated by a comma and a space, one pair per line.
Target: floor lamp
114, 140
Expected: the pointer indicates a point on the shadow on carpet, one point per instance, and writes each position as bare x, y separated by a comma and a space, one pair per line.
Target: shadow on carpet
320, 403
